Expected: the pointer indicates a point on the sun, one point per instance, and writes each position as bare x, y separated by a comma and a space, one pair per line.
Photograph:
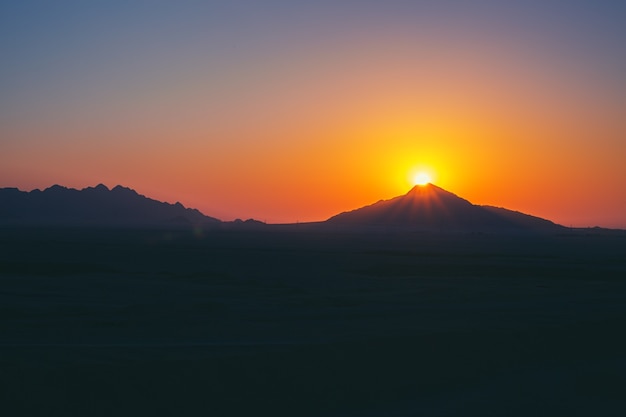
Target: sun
421, 178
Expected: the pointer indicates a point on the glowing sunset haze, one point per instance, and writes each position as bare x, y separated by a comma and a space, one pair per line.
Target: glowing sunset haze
290, 111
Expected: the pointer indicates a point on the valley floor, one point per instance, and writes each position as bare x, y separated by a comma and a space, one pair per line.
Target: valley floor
304, 323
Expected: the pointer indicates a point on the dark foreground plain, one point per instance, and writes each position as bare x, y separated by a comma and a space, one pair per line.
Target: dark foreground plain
305, 323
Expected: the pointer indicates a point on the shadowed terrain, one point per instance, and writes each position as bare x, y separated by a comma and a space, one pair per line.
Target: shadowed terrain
423, 208
281, 322
430, 208
93, 206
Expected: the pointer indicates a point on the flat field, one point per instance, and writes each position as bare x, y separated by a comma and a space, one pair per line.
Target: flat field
308, 323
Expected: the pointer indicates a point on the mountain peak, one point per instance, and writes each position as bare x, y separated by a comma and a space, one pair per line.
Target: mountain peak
434, 195
56, 188
122, 189
427, 188
429, 207
428, 184
98, 188
423, 188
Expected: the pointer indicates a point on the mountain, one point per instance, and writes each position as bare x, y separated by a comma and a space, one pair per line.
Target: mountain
427, 207
95, 206
431, 208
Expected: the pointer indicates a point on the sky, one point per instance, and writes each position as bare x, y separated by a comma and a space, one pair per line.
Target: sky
289, 111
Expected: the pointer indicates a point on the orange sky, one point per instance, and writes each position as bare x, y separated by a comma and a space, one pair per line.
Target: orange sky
303, 125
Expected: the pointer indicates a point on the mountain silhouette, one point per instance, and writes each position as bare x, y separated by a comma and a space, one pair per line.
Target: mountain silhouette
431, 208
98, 205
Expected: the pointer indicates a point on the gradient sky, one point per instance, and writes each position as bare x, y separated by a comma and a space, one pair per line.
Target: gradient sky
294, 111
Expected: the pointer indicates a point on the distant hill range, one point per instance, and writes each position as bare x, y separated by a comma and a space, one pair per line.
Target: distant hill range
423, 208
94, 206
430, 208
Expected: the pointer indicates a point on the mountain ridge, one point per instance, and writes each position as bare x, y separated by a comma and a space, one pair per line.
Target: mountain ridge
431, 208
422, 208
97, 205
